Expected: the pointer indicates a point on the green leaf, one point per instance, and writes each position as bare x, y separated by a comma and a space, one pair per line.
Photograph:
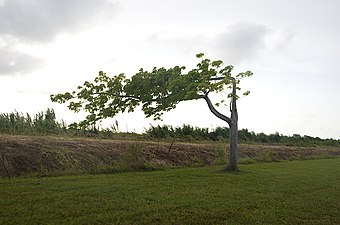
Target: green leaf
217, 63
199, 55
246, 93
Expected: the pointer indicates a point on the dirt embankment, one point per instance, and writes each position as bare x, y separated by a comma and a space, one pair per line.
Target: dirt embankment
22, 155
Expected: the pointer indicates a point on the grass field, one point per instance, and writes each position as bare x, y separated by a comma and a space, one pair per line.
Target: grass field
290, 192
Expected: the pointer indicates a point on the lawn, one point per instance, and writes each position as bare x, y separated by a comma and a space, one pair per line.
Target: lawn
290, 192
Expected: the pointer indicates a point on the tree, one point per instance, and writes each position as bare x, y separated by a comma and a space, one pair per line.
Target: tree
158, 91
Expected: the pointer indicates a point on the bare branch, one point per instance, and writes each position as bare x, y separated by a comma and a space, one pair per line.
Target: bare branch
117, 96
216, 78
213, 109
128, 96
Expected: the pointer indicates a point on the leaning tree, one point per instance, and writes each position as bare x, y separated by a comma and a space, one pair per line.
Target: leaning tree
158, 91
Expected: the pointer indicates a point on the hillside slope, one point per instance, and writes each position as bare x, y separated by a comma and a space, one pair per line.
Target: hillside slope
24, 155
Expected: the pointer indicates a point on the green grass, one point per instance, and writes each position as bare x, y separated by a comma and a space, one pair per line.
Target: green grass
294, 192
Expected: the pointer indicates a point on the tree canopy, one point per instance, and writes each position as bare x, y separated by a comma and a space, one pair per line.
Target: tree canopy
156, 91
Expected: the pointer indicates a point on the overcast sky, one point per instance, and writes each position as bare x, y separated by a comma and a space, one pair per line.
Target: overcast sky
292, 47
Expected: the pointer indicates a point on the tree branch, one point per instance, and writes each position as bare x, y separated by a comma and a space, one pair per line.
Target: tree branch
216, 78
213, 109
128, 96
233, 107
118, 96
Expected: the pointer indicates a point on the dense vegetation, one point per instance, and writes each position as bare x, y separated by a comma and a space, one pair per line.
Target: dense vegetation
40, 123
45, 123
245, 136
294, 192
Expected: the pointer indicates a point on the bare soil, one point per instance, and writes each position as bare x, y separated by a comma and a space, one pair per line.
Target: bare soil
24, 155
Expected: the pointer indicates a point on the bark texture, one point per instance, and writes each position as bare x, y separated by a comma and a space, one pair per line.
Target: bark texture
233, 131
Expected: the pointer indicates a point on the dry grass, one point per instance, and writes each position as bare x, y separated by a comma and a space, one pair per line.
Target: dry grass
26, 155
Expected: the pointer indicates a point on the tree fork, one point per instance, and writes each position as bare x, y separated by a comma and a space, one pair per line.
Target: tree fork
232, 122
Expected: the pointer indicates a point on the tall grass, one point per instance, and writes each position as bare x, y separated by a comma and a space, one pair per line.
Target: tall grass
43, 122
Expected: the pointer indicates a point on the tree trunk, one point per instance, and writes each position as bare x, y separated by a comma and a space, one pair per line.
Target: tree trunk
233, 129
233, 146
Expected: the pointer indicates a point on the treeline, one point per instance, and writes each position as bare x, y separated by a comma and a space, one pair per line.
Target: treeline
45, 123
187, 132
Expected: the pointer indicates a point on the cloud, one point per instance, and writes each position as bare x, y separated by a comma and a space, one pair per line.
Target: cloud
240, 42
42, 21
14, 62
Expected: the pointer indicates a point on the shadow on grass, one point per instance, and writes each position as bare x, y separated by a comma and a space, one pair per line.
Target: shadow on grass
227, 170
